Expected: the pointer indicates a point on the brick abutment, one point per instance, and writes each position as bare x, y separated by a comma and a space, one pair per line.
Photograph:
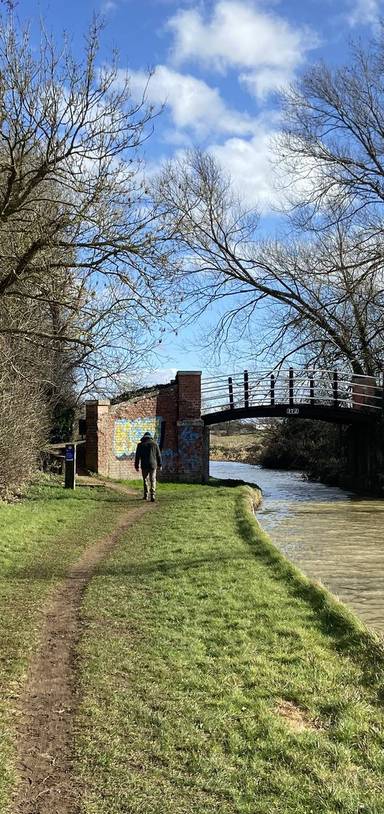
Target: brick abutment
171, 413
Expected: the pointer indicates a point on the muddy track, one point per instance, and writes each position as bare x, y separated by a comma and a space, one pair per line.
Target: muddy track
50, 697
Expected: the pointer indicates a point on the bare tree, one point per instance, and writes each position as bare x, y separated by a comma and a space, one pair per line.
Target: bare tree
82, 247
321, 297
333, 140
84, 274
23, 420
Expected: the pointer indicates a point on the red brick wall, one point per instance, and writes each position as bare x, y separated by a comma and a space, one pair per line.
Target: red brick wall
131, 411
110, 447
189, 393
96, 452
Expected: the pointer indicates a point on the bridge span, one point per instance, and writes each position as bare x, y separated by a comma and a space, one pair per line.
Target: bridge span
326, 395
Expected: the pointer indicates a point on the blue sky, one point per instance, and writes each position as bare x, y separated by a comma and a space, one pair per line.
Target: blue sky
216, 66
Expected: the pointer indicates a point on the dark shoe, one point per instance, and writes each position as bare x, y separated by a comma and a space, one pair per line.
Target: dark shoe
153, 499
145, 497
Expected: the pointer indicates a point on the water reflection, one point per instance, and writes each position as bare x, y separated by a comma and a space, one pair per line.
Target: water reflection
332, 535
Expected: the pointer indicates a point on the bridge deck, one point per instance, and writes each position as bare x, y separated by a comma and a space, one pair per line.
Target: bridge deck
333, 396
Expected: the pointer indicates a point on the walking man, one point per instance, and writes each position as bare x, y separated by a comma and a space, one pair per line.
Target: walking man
148, 455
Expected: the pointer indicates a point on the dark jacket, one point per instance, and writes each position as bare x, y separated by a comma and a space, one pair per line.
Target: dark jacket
148, 454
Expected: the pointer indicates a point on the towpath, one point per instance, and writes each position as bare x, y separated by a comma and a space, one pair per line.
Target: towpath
49, 702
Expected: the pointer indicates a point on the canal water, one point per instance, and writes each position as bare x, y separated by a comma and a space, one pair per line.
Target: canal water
332, 535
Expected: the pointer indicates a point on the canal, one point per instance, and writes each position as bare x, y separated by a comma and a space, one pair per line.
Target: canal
332, 535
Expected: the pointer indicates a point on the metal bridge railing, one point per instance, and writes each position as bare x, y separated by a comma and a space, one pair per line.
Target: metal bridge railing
291, 387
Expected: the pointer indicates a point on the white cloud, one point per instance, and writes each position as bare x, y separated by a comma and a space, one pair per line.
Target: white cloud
263, 50
191, 102
249, 163
259, 178
246, 152
108, 5
365, 12
262, 83
241, 36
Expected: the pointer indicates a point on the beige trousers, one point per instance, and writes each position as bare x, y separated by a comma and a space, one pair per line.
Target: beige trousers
149, 482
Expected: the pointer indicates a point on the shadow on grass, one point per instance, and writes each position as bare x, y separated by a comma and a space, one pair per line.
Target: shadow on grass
41, 571
98, 495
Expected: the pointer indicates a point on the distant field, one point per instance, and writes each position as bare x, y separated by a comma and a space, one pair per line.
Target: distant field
240, 447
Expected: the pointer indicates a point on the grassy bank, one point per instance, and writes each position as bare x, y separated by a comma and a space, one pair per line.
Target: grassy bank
243, 447
39, 538
216, 678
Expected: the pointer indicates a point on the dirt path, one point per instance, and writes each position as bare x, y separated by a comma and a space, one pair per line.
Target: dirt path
50, 699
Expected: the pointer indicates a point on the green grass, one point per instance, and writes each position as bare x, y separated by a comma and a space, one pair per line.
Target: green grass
39, 539
197, 632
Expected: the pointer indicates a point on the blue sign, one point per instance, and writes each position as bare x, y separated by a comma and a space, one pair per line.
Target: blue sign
69, 453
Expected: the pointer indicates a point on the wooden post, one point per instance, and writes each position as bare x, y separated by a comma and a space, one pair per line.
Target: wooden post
312, 388
246, 389
230, 390
291, 400
70, 466
335, 388
272, 390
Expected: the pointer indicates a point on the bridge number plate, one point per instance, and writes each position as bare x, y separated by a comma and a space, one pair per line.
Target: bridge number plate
293, 411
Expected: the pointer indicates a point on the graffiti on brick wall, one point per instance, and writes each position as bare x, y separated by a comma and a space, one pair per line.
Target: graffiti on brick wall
169, 459
127, 433
188, 435
190, 463
190, 449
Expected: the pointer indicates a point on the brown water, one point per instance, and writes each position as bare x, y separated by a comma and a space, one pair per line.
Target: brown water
330, 534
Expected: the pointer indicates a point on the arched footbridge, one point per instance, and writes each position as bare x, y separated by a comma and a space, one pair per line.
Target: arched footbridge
327, 395
179, 414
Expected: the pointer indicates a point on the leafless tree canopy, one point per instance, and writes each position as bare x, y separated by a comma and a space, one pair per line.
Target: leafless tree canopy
333, 139
320, 295
84, 274
316, 291
82, 248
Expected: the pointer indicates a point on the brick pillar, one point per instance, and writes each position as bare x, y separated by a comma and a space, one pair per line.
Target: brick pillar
96, 445
189, 394
190, 427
